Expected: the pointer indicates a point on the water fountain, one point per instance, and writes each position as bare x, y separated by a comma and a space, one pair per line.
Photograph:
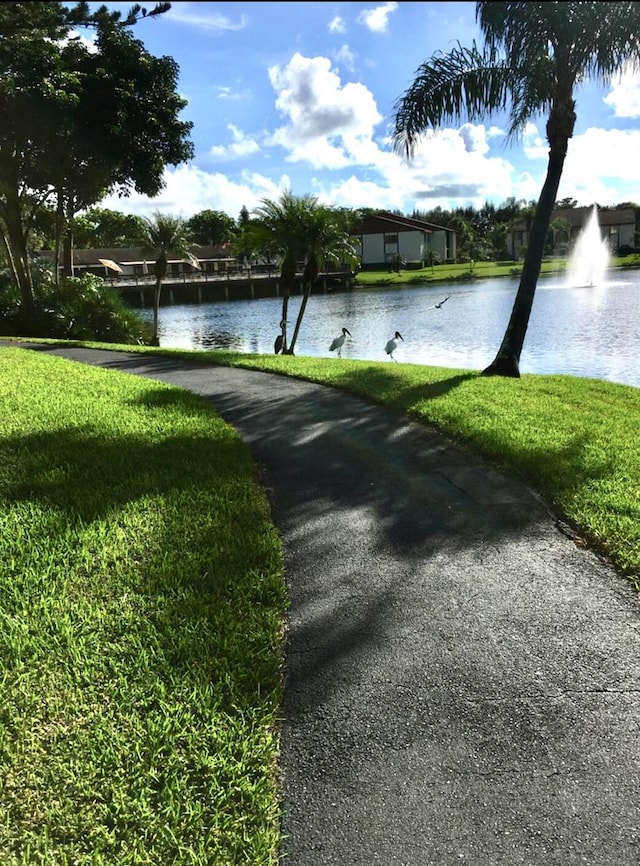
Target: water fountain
590, 256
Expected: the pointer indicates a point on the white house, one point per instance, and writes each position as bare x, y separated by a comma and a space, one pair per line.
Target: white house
385, 238
617, 227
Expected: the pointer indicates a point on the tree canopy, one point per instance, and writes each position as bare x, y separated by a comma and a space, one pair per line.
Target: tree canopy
211, 227
78, 124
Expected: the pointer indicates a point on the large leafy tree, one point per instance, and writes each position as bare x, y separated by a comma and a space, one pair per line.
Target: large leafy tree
212, 228
534, 57
78, 123
165, 236
301, 232
102, 228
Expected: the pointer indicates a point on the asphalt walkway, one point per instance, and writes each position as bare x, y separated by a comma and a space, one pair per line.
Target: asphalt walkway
463, 679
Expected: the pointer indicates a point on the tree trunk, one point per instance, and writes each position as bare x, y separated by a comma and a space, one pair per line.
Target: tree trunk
58, 239
155, 340
287, 277
559, 131
283, 320
67, 250
309, 277
16, 241
305, 298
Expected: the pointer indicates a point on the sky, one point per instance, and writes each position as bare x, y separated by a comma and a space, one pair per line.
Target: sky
300, 97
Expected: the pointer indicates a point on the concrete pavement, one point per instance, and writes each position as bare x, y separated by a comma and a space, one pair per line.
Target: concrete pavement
463, 679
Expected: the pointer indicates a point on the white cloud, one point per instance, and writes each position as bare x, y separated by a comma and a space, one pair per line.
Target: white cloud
601, 165
451, 168
227, 93
241, 145
346, 57
377, 19
474, 138
327, 120
337, 25
185, 13
625, 95
89, 44
189, 190
355, 192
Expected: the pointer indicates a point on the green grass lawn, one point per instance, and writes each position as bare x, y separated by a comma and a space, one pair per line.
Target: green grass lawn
142, 595
464, 272
141, 601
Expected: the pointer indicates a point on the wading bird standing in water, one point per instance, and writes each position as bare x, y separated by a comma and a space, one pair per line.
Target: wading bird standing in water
338, 343
392, 345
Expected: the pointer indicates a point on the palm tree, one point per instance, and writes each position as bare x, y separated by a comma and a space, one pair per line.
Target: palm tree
534, 57
327, 241
165, 235
300, 229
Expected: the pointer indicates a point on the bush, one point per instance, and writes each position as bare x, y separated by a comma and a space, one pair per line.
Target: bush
80, 308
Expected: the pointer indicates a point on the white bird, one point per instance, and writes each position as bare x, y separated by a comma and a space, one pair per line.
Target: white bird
338, 343
392, 345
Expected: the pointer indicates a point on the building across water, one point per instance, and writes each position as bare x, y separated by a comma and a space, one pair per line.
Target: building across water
619, 227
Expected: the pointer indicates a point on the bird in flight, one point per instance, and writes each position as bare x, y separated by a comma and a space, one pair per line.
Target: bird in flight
440, 303
392, 344
338, 342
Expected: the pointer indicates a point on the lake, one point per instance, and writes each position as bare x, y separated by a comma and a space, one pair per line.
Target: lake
588, 331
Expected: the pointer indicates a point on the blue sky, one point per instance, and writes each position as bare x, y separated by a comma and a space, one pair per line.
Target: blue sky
300, 96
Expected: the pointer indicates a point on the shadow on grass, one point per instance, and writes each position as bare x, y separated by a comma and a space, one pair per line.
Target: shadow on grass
178, 521
372, 507
403, 398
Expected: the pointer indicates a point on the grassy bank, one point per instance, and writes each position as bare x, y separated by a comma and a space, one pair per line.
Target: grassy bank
465, 272
141, 601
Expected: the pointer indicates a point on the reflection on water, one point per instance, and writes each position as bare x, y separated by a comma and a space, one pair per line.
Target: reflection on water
592, 331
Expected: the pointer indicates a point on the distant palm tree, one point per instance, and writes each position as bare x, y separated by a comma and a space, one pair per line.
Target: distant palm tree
163, 236
534, 57
302, 231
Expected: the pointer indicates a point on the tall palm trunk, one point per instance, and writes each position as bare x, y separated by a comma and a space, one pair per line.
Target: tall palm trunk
155, 340
559, 130
287, 277
309, 277
161, 272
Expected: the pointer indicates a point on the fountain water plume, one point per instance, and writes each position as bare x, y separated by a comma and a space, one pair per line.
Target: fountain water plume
589, 259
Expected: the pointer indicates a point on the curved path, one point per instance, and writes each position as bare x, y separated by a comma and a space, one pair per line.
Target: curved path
462, 678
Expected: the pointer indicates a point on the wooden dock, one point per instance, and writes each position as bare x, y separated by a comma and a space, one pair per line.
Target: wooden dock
138, 291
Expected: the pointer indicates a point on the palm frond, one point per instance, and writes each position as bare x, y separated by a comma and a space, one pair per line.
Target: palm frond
585, 39
465, 83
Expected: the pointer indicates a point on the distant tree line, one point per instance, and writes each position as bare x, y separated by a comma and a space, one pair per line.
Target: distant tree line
483, 234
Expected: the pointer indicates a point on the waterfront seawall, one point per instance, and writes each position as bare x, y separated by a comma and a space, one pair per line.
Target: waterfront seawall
185, 289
